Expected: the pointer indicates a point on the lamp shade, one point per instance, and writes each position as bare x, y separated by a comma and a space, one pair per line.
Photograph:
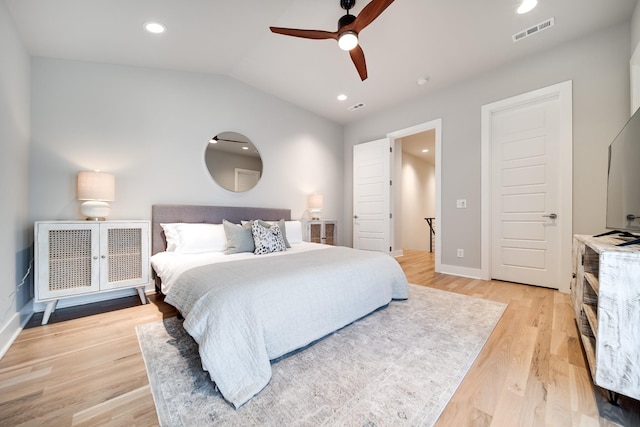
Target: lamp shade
96, 186
315, 201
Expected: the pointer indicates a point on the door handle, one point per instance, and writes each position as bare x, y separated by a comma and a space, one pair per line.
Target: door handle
552, 216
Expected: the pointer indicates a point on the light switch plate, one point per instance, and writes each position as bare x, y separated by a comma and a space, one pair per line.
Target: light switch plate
461, 203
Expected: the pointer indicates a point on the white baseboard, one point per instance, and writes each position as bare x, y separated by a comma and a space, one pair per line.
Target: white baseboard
472, 273
14, 326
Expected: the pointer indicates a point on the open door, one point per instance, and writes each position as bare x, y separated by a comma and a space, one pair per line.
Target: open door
372, 196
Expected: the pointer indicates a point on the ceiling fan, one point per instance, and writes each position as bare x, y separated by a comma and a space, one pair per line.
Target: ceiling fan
349, 27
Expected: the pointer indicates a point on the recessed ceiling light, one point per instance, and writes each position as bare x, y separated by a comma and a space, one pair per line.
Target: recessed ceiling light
422, 80
155, 27
245, 148
425, 151
527, 6
342, 97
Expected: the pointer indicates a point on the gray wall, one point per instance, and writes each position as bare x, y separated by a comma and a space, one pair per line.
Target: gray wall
15, 229
151, 127
599, 68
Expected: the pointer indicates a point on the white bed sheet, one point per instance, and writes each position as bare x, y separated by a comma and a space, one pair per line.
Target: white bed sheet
170, 265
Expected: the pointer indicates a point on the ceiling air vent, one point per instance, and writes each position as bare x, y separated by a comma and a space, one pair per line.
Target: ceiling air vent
533, 30
355, 107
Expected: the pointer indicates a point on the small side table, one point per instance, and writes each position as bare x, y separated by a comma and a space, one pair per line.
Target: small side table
321, 231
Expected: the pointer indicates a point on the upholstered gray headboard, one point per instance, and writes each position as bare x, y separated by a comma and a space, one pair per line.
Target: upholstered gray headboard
162, 214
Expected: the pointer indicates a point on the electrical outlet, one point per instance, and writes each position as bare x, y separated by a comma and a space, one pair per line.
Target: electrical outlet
461, 203
460, 253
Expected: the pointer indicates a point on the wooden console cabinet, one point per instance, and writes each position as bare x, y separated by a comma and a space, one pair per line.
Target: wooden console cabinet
605, 293
82, 257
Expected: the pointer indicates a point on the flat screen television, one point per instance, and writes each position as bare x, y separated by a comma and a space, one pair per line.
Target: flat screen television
623, 183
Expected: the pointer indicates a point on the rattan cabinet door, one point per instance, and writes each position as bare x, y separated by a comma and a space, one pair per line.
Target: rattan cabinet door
67, 259
321, 231
124, 254
330, 233
315, 232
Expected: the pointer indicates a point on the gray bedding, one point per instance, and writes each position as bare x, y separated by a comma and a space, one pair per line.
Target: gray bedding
245, 313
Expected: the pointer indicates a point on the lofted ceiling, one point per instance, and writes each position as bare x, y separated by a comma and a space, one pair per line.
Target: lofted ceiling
446, 40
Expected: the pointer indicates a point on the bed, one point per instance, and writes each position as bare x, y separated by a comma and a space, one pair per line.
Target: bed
245, 310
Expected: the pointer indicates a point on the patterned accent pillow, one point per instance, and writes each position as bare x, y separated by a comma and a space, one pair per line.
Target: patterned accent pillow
267, 239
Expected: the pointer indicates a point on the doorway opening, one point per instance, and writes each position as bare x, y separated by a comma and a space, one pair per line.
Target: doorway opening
416, 189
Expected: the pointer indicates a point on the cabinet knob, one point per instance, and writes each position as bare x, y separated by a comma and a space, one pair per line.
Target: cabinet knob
103, 256
95, 257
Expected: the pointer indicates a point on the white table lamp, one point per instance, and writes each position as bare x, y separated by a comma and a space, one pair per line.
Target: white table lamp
97, 189
315, 205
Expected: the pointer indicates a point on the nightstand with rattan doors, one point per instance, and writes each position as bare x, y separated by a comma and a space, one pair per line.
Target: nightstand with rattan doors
321, 231
75, 258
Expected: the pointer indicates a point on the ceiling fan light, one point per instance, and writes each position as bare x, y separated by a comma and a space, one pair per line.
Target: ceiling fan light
348, 40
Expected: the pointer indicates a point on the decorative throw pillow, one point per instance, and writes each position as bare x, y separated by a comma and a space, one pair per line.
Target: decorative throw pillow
267, 239
267, 224
239, 238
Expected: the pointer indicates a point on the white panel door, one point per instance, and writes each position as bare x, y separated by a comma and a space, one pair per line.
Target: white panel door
372, 196
525, 193
245, 179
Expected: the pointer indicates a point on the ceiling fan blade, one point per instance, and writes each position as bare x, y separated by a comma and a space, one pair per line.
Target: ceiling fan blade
305, 34
357, 56
369, 13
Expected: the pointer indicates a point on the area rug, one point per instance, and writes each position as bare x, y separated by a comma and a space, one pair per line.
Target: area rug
397, 366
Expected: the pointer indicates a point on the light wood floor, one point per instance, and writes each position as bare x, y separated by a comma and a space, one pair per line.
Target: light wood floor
85, 368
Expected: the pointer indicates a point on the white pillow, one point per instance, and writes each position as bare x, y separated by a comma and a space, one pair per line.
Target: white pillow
171, 236
293, 231
198, 238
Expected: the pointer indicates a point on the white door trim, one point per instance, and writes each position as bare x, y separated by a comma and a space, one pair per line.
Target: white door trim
634, 71
564, 93
437, 126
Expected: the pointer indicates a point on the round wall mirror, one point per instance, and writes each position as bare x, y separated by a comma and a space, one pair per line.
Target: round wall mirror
233, 161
